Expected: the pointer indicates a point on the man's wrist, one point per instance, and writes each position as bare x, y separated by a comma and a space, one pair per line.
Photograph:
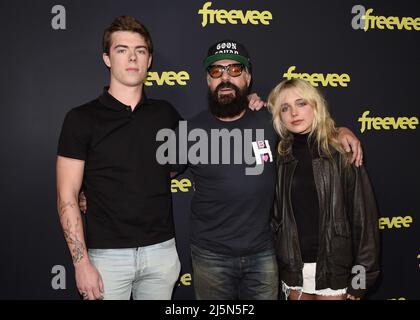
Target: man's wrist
81, 263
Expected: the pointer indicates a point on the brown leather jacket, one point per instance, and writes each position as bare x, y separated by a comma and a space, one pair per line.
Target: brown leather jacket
349, 234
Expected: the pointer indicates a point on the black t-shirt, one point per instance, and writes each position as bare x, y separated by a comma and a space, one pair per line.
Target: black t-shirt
128, 192
231, 209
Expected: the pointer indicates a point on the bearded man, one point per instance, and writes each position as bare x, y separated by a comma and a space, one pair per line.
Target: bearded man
234, 173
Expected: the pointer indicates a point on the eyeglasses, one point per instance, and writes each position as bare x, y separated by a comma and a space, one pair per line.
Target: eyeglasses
234, 70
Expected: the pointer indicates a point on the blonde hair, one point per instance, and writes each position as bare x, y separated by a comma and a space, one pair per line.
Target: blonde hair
323, 128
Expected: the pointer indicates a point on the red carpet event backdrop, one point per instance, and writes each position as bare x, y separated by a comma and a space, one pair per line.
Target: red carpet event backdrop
363, 55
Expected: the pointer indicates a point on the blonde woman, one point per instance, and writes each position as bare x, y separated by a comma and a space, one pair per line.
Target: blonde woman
325, 216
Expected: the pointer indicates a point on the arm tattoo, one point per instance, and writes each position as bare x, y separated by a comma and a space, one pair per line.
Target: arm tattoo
64, 206
77, 248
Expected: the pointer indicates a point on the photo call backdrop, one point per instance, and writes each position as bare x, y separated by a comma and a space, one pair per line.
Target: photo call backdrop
362, 54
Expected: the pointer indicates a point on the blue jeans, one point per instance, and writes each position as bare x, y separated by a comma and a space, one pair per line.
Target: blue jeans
222, 277
149, 273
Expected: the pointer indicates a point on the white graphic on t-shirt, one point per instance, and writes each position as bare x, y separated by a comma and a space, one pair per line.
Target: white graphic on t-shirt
262, 151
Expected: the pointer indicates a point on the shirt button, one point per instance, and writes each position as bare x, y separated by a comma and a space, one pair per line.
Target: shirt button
128, 108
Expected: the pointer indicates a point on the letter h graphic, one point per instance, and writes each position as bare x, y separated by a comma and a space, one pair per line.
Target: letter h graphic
262, 151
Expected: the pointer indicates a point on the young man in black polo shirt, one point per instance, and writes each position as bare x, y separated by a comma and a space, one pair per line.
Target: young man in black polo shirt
108, 146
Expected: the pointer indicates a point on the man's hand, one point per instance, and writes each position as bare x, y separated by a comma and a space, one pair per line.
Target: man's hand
255, 102
88, 281
350, 143
350, 297
82, 202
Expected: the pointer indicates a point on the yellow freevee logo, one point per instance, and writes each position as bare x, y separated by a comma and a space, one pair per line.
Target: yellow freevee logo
211, 16
183, 185
316, 79
365, 20
185, 280
395, 222
387, 123
170, 78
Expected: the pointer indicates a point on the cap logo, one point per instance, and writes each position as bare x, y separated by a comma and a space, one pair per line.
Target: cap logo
224, 45
227, 51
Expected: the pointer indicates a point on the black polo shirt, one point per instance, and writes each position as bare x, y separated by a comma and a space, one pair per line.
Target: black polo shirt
128, 192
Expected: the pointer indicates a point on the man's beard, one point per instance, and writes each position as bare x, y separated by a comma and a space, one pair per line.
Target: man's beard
227, 105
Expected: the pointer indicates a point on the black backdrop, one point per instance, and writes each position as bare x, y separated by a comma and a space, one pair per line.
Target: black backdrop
51, 62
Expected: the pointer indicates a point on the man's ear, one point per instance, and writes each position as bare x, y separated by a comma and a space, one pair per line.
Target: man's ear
150, 62
106, 59
248, 79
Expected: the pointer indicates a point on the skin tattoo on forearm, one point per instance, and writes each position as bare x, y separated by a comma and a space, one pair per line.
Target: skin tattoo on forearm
76, 246
64, 206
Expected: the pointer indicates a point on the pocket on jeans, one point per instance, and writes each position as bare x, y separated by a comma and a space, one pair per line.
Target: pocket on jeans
109, 254
97, 252
166, 244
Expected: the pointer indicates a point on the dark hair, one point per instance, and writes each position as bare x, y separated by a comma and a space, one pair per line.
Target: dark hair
126, 23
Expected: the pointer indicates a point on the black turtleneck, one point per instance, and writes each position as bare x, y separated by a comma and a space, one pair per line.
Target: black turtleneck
305, 199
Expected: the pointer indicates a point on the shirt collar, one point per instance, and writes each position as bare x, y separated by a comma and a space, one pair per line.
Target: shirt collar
111, 102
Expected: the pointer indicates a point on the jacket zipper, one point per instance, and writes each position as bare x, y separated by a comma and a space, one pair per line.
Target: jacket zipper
293, 217
321, 219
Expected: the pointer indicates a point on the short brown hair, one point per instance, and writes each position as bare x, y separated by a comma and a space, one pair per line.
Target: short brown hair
126, 23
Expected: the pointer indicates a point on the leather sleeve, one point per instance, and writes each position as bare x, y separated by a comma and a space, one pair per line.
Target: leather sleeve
363, 217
